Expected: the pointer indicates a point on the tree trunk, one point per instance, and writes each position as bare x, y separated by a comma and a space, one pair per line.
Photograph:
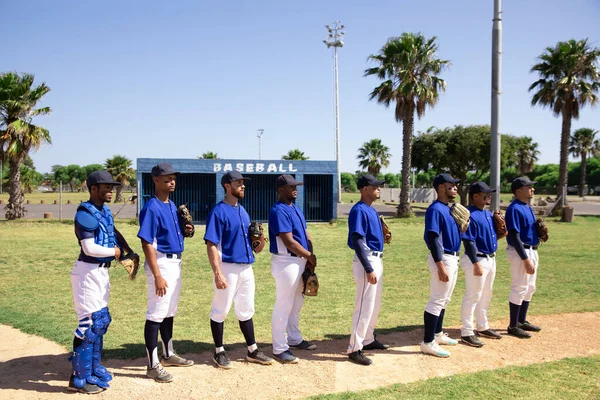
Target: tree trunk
583, 171
463, 191
563, 174
15, 208
119, 197
404, 209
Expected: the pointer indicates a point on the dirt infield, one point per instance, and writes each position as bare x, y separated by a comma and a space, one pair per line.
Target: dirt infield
35, 368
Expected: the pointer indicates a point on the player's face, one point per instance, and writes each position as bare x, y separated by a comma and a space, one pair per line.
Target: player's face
373, 191
237, 189
289, 192
104, 192
451, 190
166, 182
481, 200
526, 192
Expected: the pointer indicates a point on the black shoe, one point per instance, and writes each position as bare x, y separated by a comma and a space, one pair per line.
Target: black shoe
376, 345
490, 334
222, 360
527, 326
518, 332
471, 341
87, 388
359, 358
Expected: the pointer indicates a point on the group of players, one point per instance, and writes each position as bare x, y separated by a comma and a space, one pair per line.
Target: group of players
231, 256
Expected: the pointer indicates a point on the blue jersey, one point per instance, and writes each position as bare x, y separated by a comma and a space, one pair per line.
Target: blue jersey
227, 227
159, 226
285, 218
95, 222
364, 220
439, 220
520, 217
482, 231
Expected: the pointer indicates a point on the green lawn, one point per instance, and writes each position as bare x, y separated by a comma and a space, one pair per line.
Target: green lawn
50, 197
35, 292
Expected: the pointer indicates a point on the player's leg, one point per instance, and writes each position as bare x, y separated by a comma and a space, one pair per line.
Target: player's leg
518, 290
471, 298
293, 326
481, 310
531, 287
284, 301
369, 341
451, 264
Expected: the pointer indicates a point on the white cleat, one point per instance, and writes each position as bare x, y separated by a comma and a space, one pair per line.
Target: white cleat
434, 349
443, 338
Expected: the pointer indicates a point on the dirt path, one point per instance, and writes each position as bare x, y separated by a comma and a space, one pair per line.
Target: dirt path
35, 368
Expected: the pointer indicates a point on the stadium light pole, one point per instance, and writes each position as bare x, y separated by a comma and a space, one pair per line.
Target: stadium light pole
259, 136
496, 91
334, 39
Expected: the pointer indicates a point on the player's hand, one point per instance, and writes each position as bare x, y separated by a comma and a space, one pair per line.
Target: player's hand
372, 278
220, 281
189, 228
160, 285
529, 267
477, 271
312, 260
442, 273
117, 252
388, 238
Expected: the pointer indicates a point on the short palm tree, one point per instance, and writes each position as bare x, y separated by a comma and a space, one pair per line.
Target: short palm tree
373, 155
583, 144
295, 154
120, 168
527, 154
569, 80
209, 155
409, 68
18, 135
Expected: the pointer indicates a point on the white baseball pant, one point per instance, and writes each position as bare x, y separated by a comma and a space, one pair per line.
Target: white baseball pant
440, 293
91, 289
367, 303
478, 294
522, 285
240, 290
163, 307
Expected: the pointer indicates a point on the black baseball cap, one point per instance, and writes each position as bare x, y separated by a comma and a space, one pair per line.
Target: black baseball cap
99, 177
286, 180
163, 169
444, 178
480, 187
521, 181
233, 176
368, 180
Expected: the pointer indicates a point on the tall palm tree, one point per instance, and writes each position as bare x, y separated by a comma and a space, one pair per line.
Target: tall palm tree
373, 155
408, 67
294, 154
120, 168
209, 155
18, 135
527, 154
583, 143
569, 79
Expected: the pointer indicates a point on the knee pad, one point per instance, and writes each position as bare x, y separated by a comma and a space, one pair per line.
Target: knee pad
99, 370
81, 361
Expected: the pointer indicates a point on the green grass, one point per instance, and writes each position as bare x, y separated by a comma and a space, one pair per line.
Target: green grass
574, 378
50, 197
35, 291
354, 197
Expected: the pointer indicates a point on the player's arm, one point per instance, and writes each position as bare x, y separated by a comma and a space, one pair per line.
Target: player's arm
85, 225
214, 260
296, 248
122, 242
159, 283
468, 239
360, 247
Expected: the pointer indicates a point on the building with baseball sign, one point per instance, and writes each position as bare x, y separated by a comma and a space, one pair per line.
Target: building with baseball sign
199, 185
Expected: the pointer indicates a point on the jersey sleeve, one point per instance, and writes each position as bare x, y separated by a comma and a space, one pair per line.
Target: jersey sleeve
214, 228
357, 222
513, 220
282, 222
471, 232
433, 219
148, 226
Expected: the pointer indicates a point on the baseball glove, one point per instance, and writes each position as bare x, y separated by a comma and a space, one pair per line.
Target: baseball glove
500, 225
131, 263
542, 229
461, 215
387, 233
311, 282
185, 218
257, 236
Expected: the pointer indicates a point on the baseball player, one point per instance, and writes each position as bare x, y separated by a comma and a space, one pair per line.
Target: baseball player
231, 258
479, 265
442, 236
365, 237
291, 248
523, 241
99, 241
162, 242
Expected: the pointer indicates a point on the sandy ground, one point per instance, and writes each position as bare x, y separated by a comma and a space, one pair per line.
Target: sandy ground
35, 368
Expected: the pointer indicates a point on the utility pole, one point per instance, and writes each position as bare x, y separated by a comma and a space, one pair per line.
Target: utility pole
496, 91
334, 39
259, 136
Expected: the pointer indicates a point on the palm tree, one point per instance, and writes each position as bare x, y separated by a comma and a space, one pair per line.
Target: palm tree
373, 155
209, 155
527, 154
583, 143
120, 168
294, 154
569, 79
18, 135
408, 68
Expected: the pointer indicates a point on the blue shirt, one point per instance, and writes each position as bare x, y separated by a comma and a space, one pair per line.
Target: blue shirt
84, 229
159, 226
482, 231
283, 219
520, 217
439, 220
227, 227
364, 220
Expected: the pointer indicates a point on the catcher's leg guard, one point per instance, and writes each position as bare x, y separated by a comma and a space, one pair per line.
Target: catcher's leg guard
100, 327
81, 361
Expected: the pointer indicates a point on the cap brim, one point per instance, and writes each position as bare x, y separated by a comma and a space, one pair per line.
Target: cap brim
108, 183
291, 184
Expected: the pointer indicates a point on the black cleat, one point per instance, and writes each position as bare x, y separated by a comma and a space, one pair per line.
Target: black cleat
376, 345
527, 326
87, 388
358, 357
518, 332
472, 341
490, 334
222, 360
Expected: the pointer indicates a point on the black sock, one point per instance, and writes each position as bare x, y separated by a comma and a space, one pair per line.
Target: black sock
523, 312
247, 328
151, 338
514, 314
217, 329
440, 321
166, 334
430, 324
76, 342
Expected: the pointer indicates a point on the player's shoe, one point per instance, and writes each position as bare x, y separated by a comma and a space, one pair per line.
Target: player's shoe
222, 360
304, 345
471, 340
175, 361
158, 373
490, 334
259, 357
359, 357
88, 388
376, 345
286, 357
434, 349
443, 338
518, 332
528, 326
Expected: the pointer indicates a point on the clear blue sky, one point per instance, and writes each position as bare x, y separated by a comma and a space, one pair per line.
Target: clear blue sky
178, 78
